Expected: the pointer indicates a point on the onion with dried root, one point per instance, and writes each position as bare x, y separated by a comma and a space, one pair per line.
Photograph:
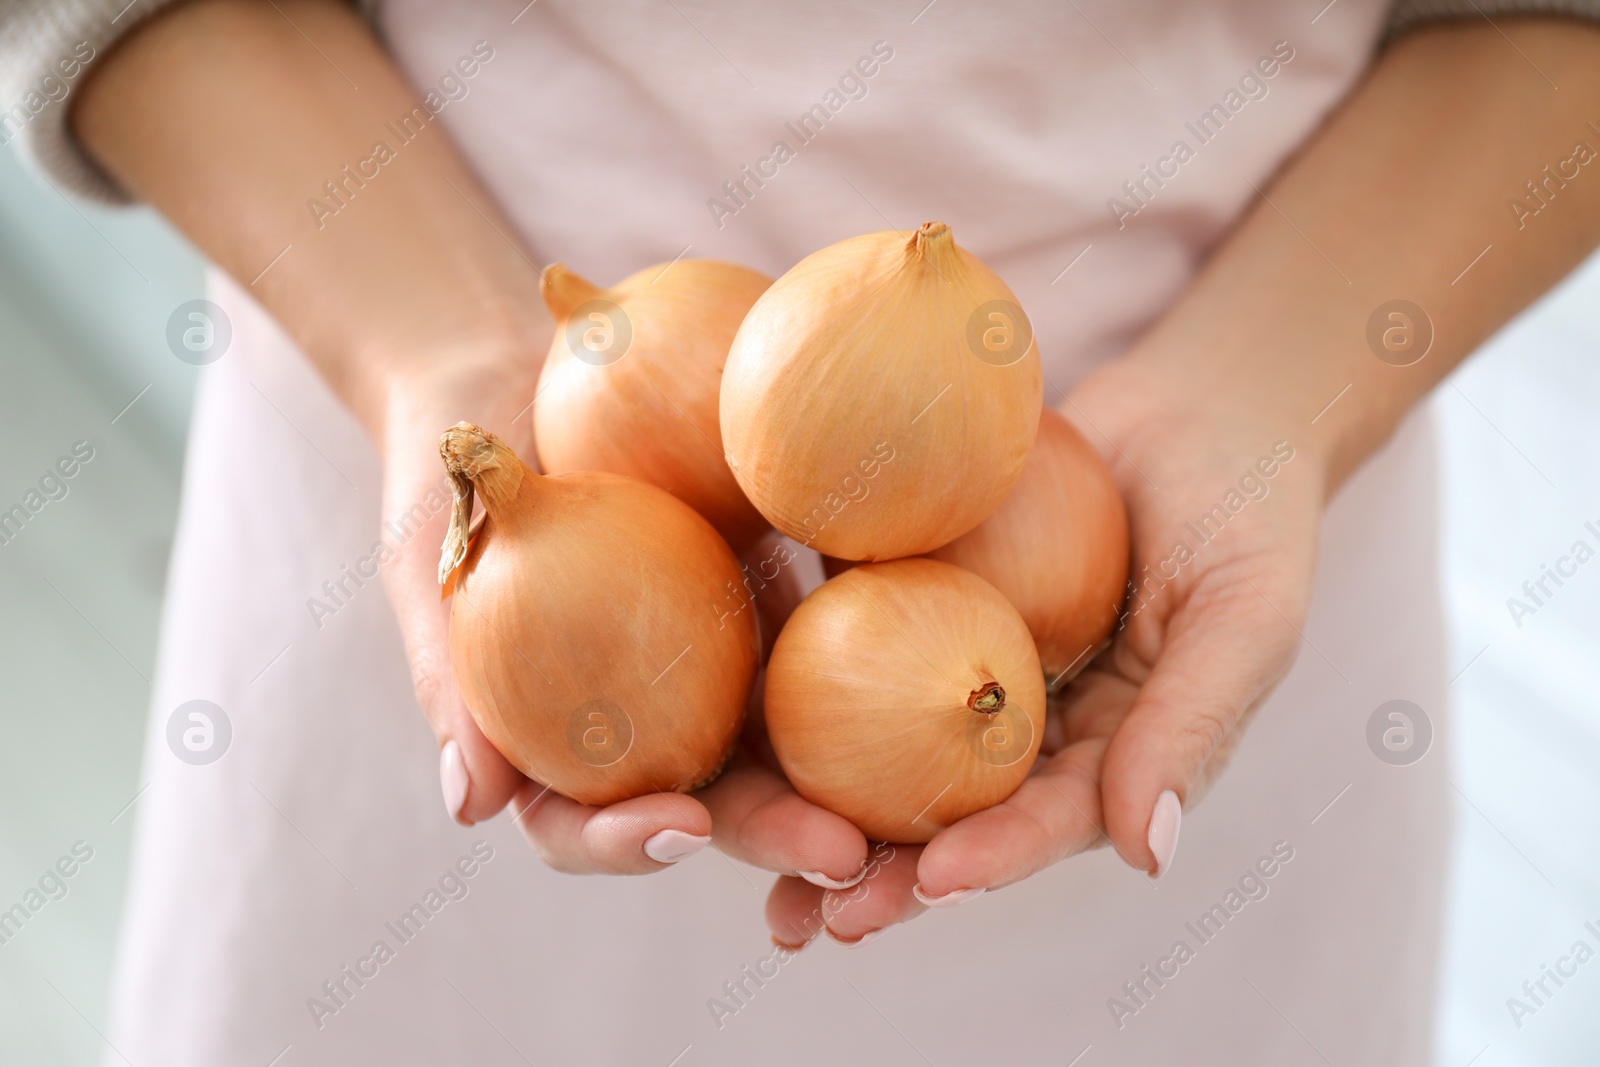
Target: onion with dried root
904, 696
1057, 547
589, 632
632, 381
880, 399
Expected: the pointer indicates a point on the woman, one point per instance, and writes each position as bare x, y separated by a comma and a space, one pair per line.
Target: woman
1246, 255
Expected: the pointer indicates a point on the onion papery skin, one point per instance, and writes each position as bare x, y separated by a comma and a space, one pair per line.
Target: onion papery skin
1057, 548
648, 409
593, 634
859, 413
869, 691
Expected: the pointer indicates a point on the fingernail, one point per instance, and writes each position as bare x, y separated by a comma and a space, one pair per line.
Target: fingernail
788, 947
1165, 822
670, 846
453, 781
865, 939
950, 899
818, 878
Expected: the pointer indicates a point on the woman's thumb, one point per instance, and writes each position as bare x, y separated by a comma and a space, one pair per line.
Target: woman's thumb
475, 779
1214, 668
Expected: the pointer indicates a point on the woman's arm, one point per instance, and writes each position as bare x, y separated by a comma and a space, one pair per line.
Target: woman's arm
1462, 176
1467, 140
1394, 199
229, 116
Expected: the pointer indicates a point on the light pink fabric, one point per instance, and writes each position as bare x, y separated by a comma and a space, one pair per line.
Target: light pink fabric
603, 131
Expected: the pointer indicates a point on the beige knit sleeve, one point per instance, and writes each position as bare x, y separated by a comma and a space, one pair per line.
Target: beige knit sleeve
1409, 13
47, 48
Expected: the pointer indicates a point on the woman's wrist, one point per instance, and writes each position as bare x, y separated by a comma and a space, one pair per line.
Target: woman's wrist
477, 357
1226, 401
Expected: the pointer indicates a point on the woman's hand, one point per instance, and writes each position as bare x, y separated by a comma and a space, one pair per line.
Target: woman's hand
1223, 517
419, 263
414, 303
1269, 344
758, 818
494, 384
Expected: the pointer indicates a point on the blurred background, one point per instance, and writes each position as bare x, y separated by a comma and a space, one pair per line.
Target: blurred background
85, 298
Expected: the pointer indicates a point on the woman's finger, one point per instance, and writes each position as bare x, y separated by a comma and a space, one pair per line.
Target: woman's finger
759, 819
638, 836
475, 779
794, 912
1224, 651
1054, 814
797, 911
880, 900
774, 565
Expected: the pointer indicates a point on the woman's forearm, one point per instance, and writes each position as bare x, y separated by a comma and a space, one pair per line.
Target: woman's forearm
1410, 192
231, 117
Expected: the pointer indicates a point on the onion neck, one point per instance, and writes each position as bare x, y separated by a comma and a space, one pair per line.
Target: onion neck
564, 290
933, 244
478, 462
988, 699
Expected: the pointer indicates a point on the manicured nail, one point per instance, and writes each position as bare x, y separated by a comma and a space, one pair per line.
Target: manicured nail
453, 781
670, 846
818, 878
1165, 822
950, 899
865, 939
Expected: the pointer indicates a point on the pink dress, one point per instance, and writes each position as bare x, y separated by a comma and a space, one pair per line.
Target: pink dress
305, 897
